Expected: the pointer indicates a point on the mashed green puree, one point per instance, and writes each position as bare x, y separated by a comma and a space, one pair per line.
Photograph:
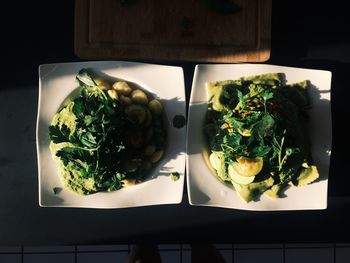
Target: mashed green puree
70, 177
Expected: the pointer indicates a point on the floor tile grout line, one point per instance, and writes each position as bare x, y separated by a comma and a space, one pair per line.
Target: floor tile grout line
67, 252
75, 254
164, 249
232, 254
171, 249
254, 248
334, 247
344, 246
58, 252
181, 253
89, 251
273, 248
103, 251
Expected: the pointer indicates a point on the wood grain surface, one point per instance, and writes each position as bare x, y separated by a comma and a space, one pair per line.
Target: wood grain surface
173, 30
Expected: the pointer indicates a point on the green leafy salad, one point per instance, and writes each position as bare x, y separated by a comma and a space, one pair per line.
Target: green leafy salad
257, 136
108, 137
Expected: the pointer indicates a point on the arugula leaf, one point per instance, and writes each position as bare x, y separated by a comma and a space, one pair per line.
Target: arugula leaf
88, 139
78, 107
241, 98
235, 123
264, 127
88, 119
85, 79
233, 141
281, 152
113, 183
261, 151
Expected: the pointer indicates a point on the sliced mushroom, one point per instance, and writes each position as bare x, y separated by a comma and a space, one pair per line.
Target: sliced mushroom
122, 88
113, 94
129, 182
149, 150
125, 100
103, 85
132, 165
155, 106
146, 165
137, 112
138, 96
156, 156
149, 135
148, 117
135, 138
159, 140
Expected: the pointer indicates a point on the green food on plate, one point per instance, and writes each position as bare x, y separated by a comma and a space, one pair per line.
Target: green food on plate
175, 176
108, 137
257, 135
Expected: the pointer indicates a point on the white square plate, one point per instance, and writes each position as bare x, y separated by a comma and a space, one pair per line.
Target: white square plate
205, 189
57, 81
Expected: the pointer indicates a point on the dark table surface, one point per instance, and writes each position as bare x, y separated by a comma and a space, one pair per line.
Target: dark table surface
311, 35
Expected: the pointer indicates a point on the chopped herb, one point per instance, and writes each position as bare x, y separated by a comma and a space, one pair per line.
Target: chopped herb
179, 121
56, 190
174, 176
59, 134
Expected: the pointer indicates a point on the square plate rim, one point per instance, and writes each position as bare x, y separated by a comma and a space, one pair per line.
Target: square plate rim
192, 103
42, 67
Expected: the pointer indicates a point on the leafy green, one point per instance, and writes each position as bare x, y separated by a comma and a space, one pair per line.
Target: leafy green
114, 182
174, 176
281, 151
264, 126
88, 139
95, 142
97, 146
56, 190
59, 134
84, 78
259, 117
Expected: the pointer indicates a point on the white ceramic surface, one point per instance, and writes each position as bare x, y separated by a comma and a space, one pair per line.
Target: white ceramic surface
205, 189
57, 81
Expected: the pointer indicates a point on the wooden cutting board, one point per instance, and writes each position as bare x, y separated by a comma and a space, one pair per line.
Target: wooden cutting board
172, 30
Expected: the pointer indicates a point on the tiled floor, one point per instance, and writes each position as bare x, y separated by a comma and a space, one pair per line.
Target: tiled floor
181, 253
263, 255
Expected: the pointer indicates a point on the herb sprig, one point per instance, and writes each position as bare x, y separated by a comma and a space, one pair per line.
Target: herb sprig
99, 122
